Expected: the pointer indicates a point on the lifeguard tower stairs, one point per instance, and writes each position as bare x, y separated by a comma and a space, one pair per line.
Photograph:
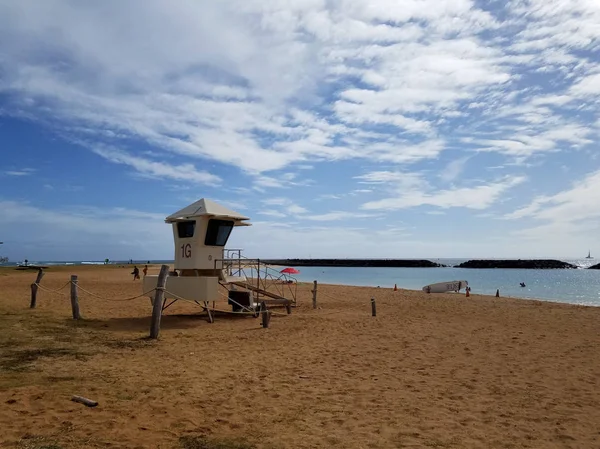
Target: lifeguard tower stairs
250, 283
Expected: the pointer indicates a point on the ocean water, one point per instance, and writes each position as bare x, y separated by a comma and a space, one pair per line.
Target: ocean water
569, 286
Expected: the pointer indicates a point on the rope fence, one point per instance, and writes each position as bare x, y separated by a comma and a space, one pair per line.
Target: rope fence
248, 310
161, 294
131, 298
346, 308
53, 291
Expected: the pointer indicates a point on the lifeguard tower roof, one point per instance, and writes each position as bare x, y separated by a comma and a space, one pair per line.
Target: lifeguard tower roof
207, 208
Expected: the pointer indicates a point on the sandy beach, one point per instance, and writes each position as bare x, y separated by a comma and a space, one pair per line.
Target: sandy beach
440, 371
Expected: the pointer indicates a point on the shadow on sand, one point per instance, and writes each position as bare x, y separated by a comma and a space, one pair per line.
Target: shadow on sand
179, 321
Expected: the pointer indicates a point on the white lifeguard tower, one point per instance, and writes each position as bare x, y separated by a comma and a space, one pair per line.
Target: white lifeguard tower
201, 231
202, 265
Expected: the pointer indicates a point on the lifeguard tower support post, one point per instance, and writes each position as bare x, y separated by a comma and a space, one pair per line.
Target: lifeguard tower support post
200, 232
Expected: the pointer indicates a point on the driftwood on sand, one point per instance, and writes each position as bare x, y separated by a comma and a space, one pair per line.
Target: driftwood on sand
85, 401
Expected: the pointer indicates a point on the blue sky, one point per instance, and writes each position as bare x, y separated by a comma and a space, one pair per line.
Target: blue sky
343, 128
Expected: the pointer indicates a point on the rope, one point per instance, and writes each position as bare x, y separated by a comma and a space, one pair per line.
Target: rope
204, 307
217, 310
52, 291
115, 299
171, 294
79, 287
346, 309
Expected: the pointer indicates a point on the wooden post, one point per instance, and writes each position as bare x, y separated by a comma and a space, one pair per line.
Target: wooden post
211, 318
159, 295
34, 288
314, 292
373, 307
266, 315
74, 298
258, 278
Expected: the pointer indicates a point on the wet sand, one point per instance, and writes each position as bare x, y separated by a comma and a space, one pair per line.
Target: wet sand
429, 371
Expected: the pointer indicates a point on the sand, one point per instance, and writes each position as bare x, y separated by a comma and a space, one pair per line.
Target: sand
439, 371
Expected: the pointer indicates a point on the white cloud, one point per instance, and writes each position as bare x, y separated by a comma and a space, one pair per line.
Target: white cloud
526, 144
399, 180
20, 172
155, 169
479, 197
330, 196
454, 169
283, 181
568, 222
416, 77
212, 85
338, 215
272, 88
267, 182
587, 86
397, 152
271, 213
573, 207
285, 207
277, 201
555, 24
294, 209
414, 189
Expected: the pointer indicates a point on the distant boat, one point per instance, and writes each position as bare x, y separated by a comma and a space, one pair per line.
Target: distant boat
589, 256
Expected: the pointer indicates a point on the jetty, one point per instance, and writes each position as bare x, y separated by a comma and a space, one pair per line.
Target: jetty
538, 264
377, 263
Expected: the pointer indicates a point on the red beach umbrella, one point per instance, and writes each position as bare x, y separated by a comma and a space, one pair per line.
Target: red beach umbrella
289, 270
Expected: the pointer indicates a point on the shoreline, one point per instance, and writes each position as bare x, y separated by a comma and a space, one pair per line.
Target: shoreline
449, 295
7, 270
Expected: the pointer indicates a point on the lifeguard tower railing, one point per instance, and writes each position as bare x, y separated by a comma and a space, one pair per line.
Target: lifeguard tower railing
261, 279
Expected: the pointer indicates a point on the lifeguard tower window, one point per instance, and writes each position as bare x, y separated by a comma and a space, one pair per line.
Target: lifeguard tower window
218, 232
185, 229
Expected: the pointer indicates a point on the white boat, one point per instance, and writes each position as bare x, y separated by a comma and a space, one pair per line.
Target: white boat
443, 287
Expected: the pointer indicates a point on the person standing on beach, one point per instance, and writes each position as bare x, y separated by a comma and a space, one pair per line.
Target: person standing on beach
136, 273
145, 270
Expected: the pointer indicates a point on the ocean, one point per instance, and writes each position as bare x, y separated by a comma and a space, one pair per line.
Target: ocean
569, 286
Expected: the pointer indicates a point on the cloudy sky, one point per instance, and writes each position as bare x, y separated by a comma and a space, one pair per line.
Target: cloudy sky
343, 128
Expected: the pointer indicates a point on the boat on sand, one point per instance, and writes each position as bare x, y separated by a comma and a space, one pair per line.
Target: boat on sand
443, 287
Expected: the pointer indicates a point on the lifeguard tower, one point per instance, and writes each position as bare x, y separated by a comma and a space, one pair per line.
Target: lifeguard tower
203, 266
